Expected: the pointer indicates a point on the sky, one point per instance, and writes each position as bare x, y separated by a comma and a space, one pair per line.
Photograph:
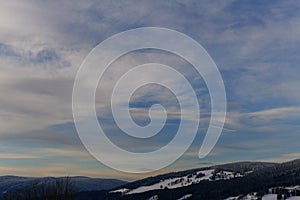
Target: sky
255, 44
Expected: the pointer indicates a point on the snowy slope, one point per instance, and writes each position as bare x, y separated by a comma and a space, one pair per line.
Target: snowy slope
271, 196
183, 181
173, 182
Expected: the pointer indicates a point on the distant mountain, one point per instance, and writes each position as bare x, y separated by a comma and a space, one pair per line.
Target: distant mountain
244, 166
21, 186
233, 181
241, 180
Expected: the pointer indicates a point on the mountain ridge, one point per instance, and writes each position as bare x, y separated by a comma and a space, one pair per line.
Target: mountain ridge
10, 184
222, 181
255, 177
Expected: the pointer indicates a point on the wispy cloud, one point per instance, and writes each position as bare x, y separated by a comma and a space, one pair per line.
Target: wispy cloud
255, 45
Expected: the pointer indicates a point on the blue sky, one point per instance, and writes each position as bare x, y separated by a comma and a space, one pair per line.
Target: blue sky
255, 45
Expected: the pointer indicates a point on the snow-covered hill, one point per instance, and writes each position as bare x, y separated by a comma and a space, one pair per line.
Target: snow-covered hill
274, 193
245, 180
192, 178
241, 180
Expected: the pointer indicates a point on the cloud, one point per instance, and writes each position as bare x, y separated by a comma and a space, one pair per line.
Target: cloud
281, 114
16, 156
6, 50
283, 158
33, 103
255, 46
